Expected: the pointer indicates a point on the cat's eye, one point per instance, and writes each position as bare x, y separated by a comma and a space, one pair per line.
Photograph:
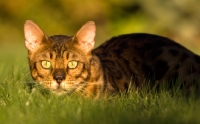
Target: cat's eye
72, 64
46, 64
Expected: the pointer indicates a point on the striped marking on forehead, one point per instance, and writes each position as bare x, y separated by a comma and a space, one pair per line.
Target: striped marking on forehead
59, 51
71, 55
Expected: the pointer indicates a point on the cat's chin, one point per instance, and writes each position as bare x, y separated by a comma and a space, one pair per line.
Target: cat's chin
59, 92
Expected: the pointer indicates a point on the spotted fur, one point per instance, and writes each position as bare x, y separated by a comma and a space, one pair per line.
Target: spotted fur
121, 62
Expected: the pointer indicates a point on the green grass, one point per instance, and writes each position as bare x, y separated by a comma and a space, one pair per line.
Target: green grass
20, 106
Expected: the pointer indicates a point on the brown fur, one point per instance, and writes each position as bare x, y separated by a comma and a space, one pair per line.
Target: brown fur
121, 62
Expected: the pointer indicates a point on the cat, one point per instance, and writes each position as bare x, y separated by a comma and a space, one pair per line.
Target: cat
70, 64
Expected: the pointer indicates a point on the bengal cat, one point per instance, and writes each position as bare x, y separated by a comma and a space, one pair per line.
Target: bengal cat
70, 64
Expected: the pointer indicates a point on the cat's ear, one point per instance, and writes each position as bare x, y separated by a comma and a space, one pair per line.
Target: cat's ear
34, 36
86, 35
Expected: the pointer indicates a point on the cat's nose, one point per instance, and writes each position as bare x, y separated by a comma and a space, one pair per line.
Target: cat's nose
59, 79
59, 76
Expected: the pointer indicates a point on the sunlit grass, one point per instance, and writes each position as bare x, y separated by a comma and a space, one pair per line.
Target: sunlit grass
20, 105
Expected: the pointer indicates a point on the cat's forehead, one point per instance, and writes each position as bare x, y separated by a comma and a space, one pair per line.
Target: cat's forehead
62, 43
59, 39
51, 54
59, 46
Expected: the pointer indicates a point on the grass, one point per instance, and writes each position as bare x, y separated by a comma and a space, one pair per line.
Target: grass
20, 106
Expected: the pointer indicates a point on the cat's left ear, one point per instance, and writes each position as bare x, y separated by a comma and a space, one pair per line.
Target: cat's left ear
85, 36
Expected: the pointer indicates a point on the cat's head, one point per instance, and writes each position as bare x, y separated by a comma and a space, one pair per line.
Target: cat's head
60, 63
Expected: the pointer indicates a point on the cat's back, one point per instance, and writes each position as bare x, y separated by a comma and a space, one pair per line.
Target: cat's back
137, 41
143, 55
140, 47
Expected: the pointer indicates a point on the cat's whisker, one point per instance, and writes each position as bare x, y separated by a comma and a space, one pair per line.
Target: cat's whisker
79, 87
24, 76
85, 82
86, 92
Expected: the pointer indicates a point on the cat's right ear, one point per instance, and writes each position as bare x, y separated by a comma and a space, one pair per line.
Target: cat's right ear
34, 36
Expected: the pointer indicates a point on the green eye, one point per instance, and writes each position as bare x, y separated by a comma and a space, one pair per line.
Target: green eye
46, 64
72, 64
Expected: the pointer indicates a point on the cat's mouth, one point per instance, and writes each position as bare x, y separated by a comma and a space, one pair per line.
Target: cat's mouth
67, 88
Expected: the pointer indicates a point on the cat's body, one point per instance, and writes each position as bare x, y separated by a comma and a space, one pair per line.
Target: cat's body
70, 64
145, 59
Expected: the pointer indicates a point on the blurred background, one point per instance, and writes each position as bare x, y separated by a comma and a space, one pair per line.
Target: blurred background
176, 19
